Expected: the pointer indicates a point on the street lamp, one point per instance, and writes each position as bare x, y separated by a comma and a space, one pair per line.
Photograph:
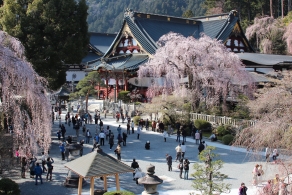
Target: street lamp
115, 93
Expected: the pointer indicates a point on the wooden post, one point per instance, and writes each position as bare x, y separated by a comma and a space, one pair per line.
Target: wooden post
126, 84
105, 183
80, 185
117, 88
117, 182
92, 186
106, 83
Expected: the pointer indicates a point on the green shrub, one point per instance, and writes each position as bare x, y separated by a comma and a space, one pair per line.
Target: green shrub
224, 130
123, 95
7, 186
203, 125
136, 119
119, 193
227, 139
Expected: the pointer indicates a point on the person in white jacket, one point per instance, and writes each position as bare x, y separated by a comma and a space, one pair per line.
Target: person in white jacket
183, 149
138, 174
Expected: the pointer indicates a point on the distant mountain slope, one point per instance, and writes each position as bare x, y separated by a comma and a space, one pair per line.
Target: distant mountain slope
105, 16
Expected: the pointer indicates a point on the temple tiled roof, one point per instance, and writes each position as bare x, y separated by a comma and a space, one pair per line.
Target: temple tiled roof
101, 41
129, 62
97, 164
147, 28
98, 45
265, 60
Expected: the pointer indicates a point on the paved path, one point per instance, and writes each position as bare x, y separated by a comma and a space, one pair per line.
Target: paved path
238, 164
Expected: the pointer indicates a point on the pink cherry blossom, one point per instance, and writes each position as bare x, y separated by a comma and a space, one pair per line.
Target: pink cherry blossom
24, 100
201, 69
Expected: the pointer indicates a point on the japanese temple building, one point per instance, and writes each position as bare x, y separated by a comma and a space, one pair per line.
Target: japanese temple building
136, 41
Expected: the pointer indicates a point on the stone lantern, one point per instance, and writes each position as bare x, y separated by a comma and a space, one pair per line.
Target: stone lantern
150, 181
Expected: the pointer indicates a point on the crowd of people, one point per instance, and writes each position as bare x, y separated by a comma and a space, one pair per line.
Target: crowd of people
105, 135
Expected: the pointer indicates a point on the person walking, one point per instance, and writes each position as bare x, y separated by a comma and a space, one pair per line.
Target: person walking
128, 128
138, 174
164, 135
197, 137
59, 135
62, 150
147, 124
201, 135
201, 147
134, 165
88, 136
43, 159
100, 124
183, 149
38, 173
260, 174
178, 152
96, 139
139, 131
23, 167
119, 129
180, 167
32, 166
178, 135
186, 168
118, 152
184, 134
132, 126
169, 162
77, 128
275, 155
101, 137
242, 189
111, 141
63, 131
107, 133
255, 173
81, 142
125, 138
153, 125
50, 162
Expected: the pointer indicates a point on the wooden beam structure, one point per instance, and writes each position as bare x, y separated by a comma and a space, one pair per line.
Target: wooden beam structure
105, 182
80, 185
91, 185
117, 182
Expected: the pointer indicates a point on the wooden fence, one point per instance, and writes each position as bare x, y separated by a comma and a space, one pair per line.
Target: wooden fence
222, 120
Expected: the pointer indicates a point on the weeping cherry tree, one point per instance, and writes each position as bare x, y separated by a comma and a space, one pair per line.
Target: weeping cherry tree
201, 69
24, 103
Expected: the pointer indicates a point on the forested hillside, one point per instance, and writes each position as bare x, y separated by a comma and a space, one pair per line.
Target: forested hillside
107, 15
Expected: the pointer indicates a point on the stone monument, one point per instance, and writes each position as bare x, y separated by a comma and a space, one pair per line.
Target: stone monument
150, 181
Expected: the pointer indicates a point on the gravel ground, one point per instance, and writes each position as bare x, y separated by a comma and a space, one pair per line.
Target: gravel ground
238, 164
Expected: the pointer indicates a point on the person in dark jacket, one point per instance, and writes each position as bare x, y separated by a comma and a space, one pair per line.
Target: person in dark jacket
38, 173
186, 168
134, 165
242, 189
111, 141
169, 162
50, 162
201, 147
147, 145
125, 138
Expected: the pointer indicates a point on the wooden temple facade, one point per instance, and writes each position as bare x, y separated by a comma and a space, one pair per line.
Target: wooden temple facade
136, 41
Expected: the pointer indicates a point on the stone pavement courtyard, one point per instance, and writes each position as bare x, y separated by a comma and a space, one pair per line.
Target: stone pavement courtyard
238, 164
